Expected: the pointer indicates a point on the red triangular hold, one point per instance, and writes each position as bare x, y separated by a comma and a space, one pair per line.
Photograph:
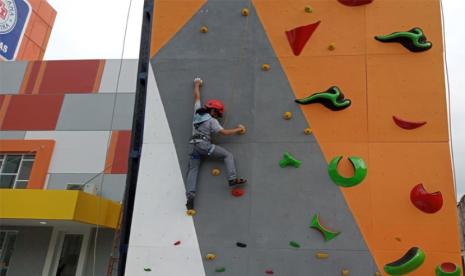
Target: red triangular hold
299, 36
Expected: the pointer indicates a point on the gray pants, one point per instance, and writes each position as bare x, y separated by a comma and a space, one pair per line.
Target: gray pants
206, 149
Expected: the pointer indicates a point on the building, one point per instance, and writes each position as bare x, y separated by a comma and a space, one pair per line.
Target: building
65, 127
64, 139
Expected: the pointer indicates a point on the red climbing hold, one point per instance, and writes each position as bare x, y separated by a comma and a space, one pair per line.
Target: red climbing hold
426, 202
237, 192
269, 272
299, 36
355, 2
177, 243
407, 124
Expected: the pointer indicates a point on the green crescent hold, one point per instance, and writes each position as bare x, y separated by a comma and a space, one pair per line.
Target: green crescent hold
360, 172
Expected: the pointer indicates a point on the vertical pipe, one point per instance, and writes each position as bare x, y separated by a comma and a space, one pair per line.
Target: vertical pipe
137, 134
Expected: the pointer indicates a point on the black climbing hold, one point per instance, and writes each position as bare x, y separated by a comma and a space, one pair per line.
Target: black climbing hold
240, 244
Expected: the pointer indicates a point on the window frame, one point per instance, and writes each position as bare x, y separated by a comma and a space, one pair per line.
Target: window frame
20, 166
4, 243
43, 150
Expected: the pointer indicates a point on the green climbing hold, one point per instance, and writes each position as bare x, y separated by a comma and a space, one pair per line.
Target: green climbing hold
147, 269
327, 234
360, 172
414, 40
289, 160
331, 98
413, 259
220, 269
294, 244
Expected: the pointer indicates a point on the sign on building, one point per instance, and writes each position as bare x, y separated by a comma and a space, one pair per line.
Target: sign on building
14, 15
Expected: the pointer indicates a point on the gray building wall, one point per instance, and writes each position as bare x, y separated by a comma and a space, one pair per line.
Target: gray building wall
30, 250
103, 251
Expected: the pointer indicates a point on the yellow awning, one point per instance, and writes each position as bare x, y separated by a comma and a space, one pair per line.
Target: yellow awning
58, 205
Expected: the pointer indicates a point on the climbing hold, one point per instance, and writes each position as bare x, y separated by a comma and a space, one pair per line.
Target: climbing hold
355, 2
245, 12
269, 272
191, 212
360, 172
216, 172
240, 244
345, 272
204, 29
220, 269
289, 160
237, 192
321, 255
147, 269
265, 67
177, 243
287, 115
332, 47
308, 131
210, 256
294, 244
377, 273
414, 40
426, 202
407, 124
331, 98
299, 36
448, 269
327, 234
398, 239
407, 263
308, 9
243, 130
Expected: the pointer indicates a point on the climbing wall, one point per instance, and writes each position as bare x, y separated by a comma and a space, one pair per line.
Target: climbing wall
258, 65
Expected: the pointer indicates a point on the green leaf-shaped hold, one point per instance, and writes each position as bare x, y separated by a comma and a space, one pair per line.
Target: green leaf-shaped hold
360, 172
414, 40
331, 98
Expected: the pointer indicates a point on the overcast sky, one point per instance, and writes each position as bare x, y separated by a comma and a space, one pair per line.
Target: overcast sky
94, 29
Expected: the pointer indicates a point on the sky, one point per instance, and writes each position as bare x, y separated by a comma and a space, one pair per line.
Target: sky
94, 29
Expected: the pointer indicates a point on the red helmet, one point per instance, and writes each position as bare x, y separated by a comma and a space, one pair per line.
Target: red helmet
215, 104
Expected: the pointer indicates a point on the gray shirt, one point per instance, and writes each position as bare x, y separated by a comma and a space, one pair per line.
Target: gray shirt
207, 128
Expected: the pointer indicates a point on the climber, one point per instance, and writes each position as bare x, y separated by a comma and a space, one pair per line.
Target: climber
205, 123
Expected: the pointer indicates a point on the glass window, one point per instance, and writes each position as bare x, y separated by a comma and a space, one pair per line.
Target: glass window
7, 244
69, 257
15, 170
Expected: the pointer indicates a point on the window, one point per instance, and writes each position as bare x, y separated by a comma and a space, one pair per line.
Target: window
7, 244
15, 170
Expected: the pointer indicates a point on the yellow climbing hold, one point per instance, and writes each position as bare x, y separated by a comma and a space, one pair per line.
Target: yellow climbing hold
332, 47
308, 131
210, 256
287, 115
245, 12
191, 212
345, 272
308, 9
321, 255
204, 29
216, 172
378, 273
265, 67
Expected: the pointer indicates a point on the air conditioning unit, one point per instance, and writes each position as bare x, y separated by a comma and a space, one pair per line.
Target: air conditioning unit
89, 188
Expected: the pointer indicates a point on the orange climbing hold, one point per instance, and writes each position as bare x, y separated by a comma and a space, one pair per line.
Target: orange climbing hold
237, 192
299, 36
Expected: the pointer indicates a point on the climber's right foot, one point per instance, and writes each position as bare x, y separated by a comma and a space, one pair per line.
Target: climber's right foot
237, 181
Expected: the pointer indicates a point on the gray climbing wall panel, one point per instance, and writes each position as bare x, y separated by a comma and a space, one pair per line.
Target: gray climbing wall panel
279, 203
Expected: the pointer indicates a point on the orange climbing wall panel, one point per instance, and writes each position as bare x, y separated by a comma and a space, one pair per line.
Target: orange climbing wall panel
38, 31
382, 80
169, 17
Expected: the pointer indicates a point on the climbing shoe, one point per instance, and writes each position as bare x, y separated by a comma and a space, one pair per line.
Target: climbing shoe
237, 181
190, 203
